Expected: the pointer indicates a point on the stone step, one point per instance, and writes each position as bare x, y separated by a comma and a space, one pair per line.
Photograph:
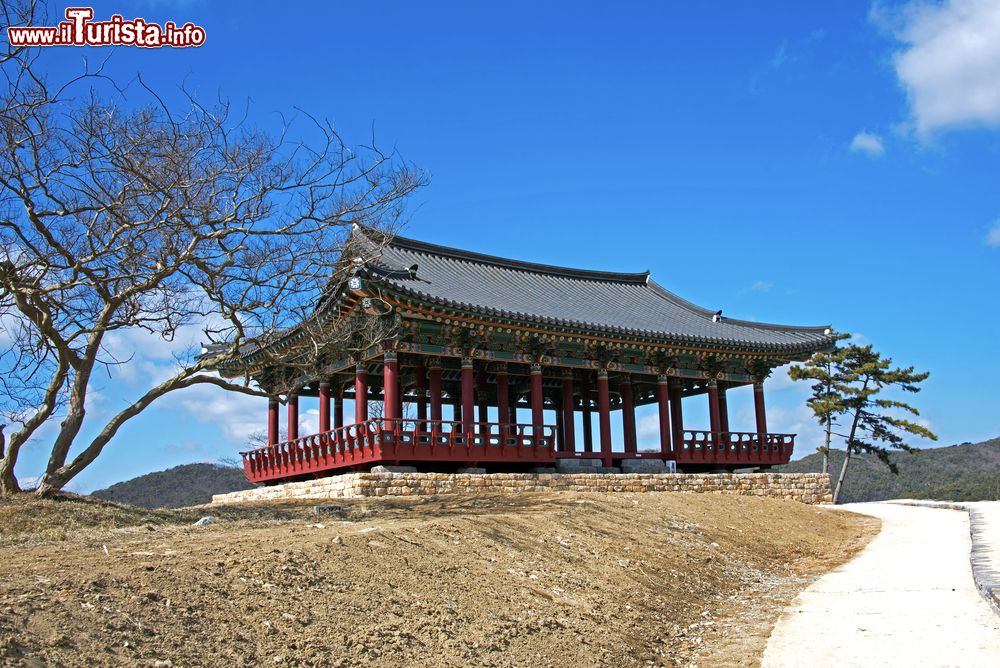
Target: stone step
589, 469
578, 463
651, 465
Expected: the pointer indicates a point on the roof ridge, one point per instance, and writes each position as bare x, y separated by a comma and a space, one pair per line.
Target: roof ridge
700, 310
519, 265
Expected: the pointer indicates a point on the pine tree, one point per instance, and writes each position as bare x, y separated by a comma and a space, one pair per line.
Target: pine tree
827, 400
850, 382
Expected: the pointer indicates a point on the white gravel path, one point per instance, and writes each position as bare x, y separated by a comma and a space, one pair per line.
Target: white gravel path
908, 599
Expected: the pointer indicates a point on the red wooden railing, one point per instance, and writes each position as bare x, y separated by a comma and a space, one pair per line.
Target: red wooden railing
735, 448
397, 440
404, 440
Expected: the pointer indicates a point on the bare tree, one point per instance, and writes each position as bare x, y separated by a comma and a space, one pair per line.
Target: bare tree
119, 214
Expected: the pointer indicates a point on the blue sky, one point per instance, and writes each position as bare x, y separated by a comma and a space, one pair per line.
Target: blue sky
805, 163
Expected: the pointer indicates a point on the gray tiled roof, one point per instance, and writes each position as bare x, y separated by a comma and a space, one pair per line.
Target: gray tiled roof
614, 303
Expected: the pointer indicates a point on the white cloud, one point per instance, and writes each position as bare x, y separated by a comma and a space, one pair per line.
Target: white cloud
648, 427
9, 324
29, 481
869, 144
950, 62
308, 421
797, 419
993, 234
237, 415
759, 286
147, 359
780, 380
780, 55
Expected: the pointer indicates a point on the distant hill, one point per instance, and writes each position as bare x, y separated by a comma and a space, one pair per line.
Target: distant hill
186, 485
966, 472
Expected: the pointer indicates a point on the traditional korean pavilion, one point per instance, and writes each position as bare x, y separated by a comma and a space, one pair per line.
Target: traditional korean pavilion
494, 343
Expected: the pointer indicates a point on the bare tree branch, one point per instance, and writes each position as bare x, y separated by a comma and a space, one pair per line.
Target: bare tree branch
122, 212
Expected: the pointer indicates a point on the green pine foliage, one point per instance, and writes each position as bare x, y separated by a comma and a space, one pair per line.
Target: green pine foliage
965, 472
848, 401
185, 485
828, 391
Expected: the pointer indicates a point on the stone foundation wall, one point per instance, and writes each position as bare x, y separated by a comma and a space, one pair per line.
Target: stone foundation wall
805, 487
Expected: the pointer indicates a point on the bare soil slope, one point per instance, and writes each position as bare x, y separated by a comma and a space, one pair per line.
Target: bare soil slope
539, 580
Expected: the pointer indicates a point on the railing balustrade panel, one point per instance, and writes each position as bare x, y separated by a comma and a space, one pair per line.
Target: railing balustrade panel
447, 440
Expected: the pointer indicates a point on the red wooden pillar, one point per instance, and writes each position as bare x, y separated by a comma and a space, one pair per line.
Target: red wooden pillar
421, 390
713, 413
435, 383
272, 421
723, 414
568, 417
481, 399
360, 393
400, 392
324, 407
758, 405
560, 436
390, 388
468, 398
588, 423
662, 400
677, 417
628, 415
338, 408
514, 398
537, 402
293, 417
503, 398
604, 415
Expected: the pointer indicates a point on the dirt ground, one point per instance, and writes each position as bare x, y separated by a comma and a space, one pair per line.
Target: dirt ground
536, 580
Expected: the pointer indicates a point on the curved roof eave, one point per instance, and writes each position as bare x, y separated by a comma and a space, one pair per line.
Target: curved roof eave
668, 338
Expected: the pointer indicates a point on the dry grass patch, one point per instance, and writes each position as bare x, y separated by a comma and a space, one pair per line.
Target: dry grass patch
542, 579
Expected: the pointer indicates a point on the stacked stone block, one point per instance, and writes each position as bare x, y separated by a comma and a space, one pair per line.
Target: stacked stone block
812, 488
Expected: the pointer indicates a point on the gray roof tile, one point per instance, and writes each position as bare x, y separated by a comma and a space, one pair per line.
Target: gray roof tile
621, 303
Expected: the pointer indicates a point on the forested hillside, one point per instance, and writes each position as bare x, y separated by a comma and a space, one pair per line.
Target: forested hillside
965, 472
186, 485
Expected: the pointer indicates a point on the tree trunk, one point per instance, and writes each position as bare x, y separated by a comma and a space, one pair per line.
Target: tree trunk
71, 425
843, 474
55, 479
8, 484
850, 446
826, 448
8, 481
77, 408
